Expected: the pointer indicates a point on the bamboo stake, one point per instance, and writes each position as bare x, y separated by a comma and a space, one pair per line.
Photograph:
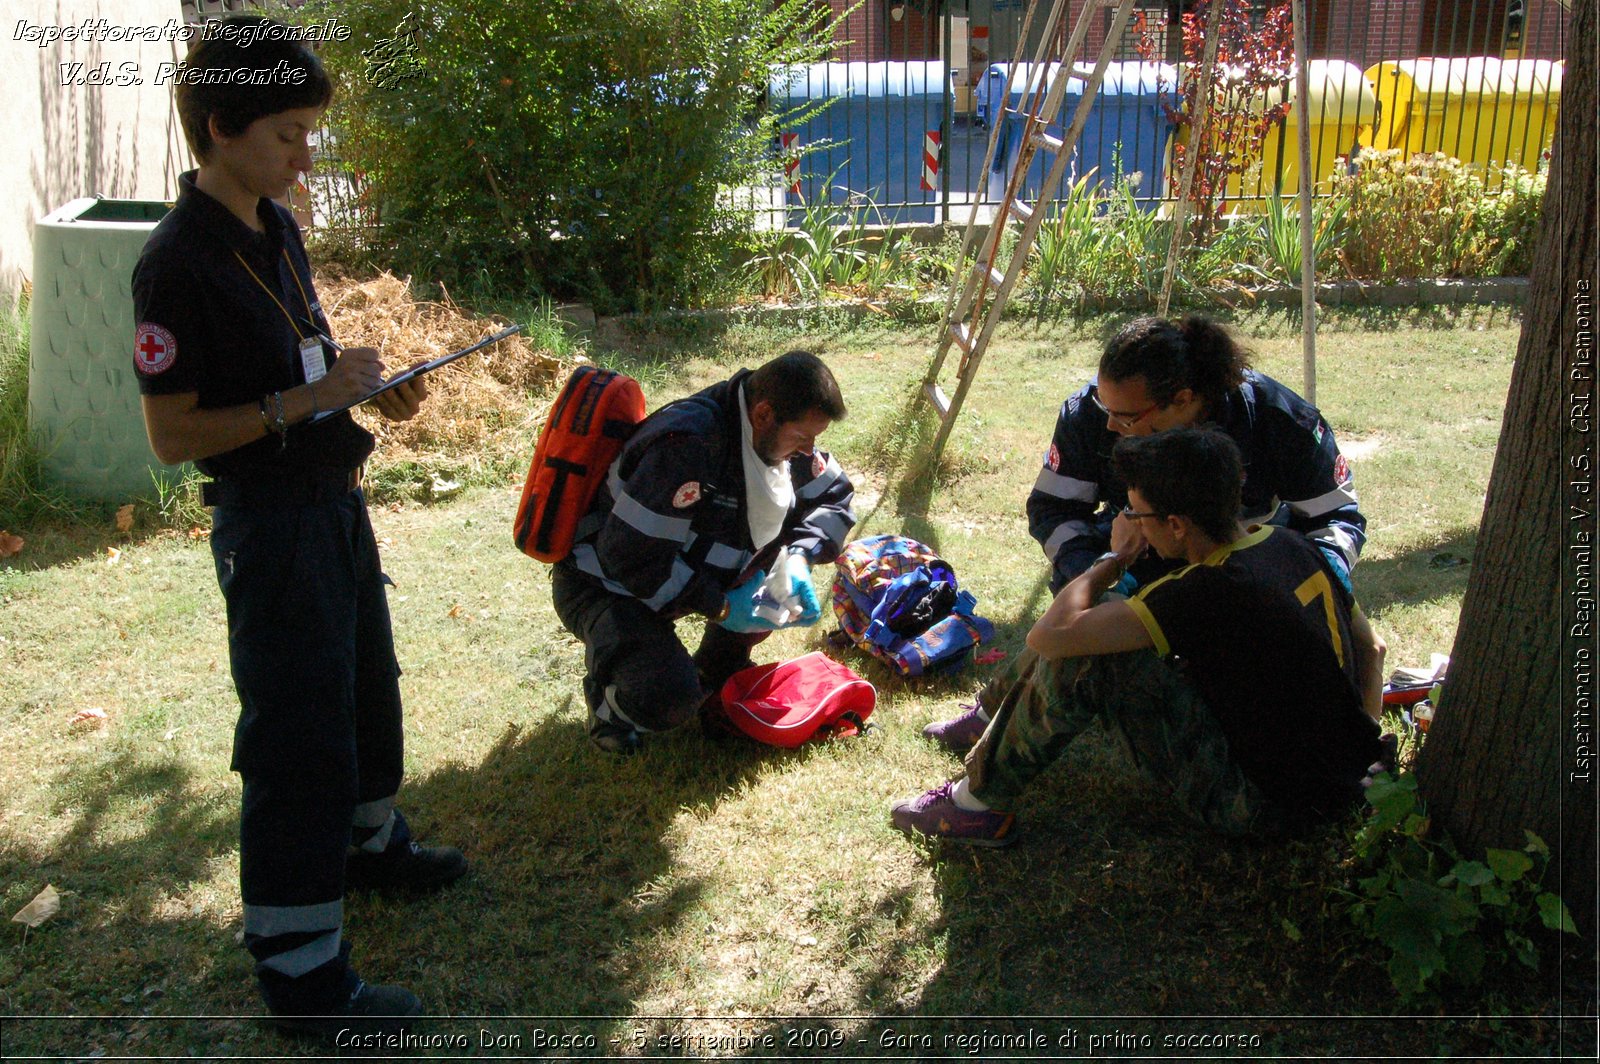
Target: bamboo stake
1308, 255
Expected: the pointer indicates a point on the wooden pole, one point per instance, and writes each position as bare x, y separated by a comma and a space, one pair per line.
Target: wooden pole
1308, 255
1191, 158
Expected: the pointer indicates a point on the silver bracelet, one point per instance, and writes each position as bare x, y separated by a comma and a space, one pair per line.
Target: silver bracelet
280, 424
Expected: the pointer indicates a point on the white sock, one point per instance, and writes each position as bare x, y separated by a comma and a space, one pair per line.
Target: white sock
964, 798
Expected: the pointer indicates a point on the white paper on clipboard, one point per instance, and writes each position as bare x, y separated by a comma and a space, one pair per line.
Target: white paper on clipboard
416, 371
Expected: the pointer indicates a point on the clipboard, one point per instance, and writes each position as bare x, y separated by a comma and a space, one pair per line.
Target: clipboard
416, 371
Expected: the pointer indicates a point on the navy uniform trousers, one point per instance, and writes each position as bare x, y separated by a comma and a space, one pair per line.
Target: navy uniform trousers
637, 673
318, 744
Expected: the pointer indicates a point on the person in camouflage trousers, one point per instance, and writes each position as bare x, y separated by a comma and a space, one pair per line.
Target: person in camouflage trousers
1038, 706
1257, 712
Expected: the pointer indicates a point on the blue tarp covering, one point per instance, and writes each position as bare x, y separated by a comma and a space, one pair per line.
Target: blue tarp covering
869, 140
1126, 132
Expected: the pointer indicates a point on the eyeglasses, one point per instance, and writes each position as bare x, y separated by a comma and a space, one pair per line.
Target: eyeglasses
1127, 421
1128, 511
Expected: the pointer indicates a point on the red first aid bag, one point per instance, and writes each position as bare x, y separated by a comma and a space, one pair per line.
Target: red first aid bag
592, 418
785, 704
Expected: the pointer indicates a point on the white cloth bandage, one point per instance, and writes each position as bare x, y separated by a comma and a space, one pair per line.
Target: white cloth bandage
769, 490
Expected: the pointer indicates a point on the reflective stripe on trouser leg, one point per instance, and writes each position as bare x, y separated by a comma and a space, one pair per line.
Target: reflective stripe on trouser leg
292, 846
637, 673
611, 713
372, 824
308, 934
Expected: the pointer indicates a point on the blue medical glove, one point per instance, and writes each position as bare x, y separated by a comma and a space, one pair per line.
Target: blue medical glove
798, 569
742, 607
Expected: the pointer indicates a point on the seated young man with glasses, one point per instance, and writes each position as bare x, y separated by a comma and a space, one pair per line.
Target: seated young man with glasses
1258, 708
1157, 374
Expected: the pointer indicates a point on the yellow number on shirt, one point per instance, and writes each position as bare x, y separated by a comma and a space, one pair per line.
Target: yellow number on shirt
1317, 586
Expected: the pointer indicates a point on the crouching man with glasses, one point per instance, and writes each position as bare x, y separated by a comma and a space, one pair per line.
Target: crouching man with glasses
1157, 374
1247, 683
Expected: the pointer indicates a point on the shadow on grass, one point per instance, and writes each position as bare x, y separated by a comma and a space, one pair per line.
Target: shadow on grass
1114, 916
142, 832
1434, 570
573, 874
573, 868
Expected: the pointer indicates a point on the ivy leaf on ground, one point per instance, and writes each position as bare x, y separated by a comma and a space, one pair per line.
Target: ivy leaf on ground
125, 518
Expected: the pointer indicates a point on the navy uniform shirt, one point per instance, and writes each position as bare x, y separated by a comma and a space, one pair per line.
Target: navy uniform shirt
205, 325
670, 527
1294, 475
1263, 626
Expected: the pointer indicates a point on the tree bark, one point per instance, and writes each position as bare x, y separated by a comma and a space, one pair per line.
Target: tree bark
1512, 744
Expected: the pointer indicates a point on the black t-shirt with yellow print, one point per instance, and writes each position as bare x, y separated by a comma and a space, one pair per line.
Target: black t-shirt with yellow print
1263, 627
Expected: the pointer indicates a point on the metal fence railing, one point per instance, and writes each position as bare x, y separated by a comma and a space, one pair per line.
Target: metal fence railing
906, 129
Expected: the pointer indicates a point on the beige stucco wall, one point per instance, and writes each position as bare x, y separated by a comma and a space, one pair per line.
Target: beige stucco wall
64, 141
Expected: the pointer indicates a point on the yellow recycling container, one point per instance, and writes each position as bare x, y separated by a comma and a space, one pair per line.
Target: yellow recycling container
1480, 110
1342, 110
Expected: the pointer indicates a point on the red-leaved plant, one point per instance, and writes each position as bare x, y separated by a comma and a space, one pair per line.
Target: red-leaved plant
1248, 97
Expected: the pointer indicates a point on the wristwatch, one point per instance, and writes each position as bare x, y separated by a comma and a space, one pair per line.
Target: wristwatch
1111, 555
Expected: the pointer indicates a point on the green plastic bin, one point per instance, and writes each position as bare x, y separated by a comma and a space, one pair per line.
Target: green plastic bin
83, 398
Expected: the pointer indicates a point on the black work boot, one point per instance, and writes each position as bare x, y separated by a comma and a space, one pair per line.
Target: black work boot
332, 998
369, 1009
404, 864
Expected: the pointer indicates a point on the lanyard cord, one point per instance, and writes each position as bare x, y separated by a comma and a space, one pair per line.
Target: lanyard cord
310, 318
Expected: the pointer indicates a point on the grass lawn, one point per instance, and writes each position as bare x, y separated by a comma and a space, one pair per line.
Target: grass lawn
698, 896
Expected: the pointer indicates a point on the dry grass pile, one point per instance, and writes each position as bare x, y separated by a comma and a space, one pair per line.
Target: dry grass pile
478, 407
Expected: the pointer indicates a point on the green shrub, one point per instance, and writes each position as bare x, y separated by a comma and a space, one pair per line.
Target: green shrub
1432, 216
577, 149
1441, 917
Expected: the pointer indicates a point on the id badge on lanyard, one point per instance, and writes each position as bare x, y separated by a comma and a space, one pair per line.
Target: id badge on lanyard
312, 359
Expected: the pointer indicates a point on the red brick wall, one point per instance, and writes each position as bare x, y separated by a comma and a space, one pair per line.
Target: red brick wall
1545, 31
1362, 31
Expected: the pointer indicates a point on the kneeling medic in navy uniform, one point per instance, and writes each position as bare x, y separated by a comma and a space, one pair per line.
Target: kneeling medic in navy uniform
709, 494
234, 360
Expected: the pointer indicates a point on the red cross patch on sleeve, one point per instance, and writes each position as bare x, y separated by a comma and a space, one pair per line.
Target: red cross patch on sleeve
687, 495
1341, 470
154, 349
1053, 459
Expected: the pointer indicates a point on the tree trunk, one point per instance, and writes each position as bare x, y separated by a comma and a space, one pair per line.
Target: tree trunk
1512, 746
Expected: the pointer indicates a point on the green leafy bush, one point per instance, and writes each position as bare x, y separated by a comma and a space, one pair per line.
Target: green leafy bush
1440, 915
1432, 216
577, 149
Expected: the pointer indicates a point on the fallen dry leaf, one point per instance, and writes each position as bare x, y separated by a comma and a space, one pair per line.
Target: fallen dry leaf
199, 533
113, 556
44, 905
125, 517
10, 544
455, 611
92, 717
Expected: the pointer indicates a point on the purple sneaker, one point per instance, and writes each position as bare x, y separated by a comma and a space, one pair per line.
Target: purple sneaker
936, 814
958, 734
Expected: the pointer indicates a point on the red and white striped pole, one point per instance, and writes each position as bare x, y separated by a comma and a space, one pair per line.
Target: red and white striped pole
930, 161
789, 144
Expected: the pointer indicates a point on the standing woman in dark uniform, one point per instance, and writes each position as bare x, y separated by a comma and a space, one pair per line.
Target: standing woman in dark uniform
233, 360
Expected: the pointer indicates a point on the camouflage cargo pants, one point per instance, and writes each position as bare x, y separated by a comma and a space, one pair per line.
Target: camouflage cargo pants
1037, 707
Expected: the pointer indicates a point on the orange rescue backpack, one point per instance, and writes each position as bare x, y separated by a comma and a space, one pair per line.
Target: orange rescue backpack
592, 418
